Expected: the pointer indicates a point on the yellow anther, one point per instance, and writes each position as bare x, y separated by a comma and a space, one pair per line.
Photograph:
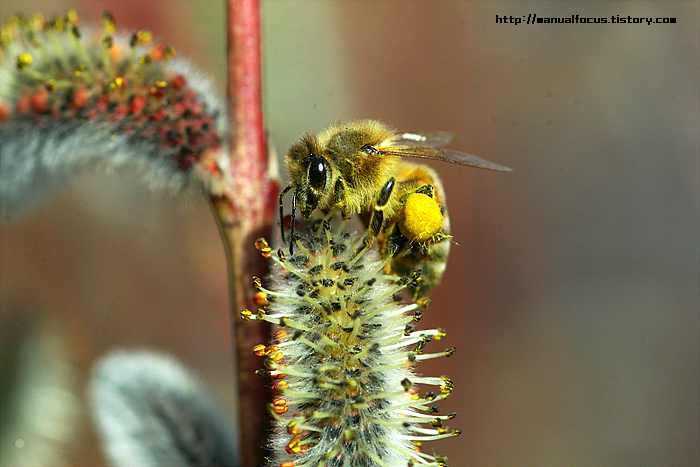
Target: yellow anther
59, 23
118, 83
72, 17
351, 385
36, 22
281, 334
263, 247
260, 298
293, 446
280, 406
7, 35
279, 388
292, 428
115, 53
144, 37
445, 391
108, 21
24, 60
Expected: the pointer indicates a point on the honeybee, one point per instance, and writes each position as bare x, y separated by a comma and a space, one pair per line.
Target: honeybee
358, 167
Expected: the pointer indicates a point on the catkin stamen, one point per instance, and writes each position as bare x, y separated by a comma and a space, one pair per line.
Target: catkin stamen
347, 397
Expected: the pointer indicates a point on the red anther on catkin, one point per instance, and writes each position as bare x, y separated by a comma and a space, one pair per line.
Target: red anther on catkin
155, 113
345, 393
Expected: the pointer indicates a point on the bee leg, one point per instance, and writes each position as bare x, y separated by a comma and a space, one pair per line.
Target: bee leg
377, 221
284, 192
339, 196
426, 190
396, 244
291, 229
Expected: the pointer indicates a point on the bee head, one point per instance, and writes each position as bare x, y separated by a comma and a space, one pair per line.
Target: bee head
309, 173
316, 184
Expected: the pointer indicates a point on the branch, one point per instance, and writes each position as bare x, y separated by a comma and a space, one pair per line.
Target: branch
244, 212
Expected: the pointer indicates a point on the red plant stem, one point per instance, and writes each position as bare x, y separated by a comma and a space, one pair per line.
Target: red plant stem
245, 212
249, 156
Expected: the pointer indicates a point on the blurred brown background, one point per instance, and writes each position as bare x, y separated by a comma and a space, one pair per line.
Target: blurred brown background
572, 295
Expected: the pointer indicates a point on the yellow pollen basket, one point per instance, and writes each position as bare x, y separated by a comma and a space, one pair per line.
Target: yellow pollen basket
421, 219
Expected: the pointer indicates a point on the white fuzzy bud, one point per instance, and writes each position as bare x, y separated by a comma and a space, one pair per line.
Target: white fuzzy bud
151, 412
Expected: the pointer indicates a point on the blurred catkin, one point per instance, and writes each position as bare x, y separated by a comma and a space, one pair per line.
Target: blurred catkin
74, 98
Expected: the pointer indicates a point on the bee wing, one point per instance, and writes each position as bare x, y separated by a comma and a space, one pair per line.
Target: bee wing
430, 139
445, 155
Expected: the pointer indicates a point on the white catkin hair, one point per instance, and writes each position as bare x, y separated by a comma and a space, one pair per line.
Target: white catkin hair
74, 100
342, 359
151, 412
40, 408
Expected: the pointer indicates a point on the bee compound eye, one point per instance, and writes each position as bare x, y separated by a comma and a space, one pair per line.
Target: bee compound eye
318, 173
370, 150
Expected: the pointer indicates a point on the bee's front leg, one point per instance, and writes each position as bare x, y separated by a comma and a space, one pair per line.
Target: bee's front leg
377, 220
339, 197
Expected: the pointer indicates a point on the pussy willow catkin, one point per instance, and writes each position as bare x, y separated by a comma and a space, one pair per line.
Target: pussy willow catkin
345, 394
74, 97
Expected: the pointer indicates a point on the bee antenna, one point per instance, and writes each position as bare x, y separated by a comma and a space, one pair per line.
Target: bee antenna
291, 230
284, 192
